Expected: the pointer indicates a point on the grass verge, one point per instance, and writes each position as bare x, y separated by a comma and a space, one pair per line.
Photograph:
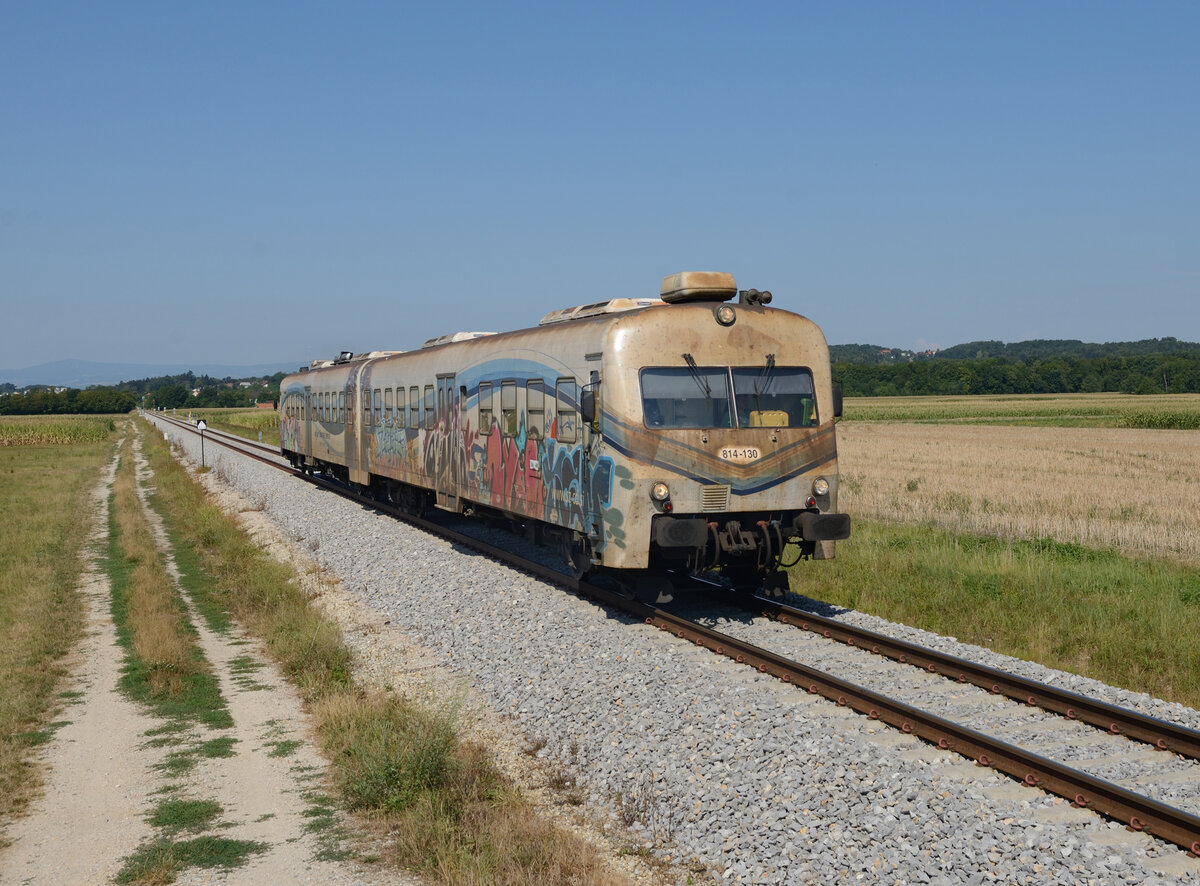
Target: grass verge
44, 490
1092, 612
164, 666
435, 799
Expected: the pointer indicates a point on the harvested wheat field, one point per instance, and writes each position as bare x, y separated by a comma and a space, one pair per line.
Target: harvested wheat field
1133, 490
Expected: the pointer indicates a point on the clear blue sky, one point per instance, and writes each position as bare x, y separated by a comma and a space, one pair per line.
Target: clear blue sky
243, 183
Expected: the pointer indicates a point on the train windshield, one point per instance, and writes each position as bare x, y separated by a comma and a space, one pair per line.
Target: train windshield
686, 397
725, 397
774, 397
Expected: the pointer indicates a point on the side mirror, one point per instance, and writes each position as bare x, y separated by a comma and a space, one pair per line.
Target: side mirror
587, 405
837, 402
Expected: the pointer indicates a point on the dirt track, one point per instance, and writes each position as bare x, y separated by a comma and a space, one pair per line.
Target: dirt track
108, 770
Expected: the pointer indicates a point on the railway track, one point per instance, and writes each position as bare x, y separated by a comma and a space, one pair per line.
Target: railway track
1136, 811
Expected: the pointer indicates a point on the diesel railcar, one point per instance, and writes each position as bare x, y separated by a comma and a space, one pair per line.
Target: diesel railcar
646, 436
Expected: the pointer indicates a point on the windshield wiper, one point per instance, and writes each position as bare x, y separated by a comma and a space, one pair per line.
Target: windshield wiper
764, 381
698, 375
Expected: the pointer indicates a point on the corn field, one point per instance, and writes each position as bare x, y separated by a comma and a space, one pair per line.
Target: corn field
38, 430
245, 419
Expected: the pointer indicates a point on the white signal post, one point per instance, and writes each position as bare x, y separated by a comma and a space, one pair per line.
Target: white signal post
201, 426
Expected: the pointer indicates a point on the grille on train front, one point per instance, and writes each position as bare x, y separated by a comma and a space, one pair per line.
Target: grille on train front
714, 498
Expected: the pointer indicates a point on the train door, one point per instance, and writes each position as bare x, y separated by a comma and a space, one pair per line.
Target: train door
448, 470
358, 461
308, 423
593, 486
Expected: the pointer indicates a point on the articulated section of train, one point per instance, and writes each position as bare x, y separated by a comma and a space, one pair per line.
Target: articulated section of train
684, 433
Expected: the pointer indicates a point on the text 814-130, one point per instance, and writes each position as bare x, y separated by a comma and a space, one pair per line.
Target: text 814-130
647, 436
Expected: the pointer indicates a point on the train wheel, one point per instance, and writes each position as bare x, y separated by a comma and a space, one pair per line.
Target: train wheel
653, 589
576, 553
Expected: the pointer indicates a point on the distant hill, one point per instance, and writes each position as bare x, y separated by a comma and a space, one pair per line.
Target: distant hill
1016, 352
872, 355
1044, 349
81, 373
1150, 366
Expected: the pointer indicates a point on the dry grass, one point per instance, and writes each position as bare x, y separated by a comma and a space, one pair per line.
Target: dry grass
44, 494
439, 804
1131, 490
160, 634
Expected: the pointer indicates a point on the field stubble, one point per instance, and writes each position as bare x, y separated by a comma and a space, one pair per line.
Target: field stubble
1134, 491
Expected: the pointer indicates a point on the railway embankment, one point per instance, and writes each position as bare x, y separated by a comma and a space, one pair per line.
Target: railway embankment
734, 771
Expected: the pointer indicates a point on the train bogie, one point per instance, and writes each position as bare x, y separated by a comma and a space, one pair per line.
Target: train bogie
686, 433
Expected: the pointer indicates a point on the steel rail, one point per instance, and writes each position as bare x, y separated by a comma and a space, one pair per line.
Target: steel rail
1161, 734
1137, 812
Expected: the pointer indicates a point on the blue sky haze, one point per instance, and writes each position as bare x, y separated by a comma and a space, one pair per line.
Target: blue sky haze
250, 182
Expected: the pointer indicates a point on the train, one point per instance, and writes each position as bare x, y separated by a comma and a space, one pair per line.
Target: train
691, 434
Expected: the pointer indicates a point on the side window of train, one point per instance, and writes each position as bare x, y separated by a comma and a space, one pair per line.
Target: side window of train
508, 408
341, 406
485, 407
378, 419
414, 406
389, 407
567, 420
535, 406
430, 420
400, 417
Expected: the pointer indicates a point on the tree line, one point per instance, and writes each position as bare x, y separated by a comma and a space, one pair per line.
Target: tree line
162, 392
93, 401
1170, 373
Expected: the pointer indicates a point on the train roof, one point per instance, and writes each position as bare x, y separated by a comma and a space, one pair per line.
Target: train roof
679, 288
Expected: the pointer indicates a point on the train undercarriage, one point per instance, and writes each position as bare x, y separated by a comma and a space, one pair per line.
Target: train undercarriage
744, 551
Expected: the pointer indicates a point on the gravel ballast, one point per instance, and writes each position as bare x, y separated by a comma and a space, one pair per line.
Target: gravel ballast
705, 759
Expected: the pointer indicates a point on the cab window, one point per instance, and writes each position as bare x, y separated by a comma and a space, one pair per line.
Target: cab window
767, 396
775, 397
682, 397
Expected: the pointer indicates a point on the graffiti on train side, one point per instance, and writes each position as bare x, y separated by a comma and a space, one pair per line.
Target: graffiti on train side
523, 472
289, 433
577, 489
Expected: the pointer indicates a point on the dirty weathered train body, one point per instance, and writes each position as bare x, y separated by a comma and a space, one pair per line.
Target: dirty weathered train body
686, 433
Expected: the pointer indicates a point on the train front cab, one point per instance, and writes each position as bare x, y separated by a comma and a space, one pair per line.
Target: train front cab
723, 415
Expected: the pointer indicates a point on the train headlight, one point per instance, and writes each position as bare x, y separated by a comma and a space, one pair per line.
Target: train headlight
726, 315
660, 492
820, 486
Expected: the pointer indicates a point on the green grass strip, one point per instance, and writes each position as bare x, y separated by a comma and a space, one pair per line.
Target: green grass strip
199, 698
163, 860
1091, 612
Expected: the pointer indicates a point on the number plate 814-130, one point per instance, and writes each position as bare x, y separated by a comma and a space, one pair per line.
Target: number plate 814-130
740, 455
